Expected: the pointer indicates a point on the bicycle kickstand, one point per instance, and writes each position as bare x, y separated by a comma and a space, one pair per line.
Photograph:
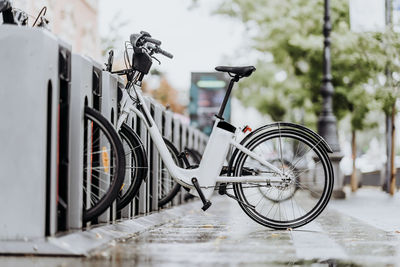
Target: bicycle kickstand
206, 203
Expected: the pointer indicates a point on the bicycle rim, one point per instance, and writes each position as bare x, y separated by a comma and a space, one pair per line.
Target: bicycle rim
135, 169
103, 165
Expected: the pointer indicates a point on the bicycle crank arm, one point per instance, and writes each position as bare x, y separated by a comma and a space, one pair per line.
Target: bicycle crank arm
206, 203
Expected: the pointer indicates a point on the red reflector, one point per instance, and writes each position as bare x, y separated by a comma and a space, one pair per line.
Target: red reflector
247, 128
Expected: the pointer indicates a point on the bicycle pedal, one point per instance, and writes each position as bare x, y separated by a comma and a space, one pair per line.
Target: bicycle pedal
206, 205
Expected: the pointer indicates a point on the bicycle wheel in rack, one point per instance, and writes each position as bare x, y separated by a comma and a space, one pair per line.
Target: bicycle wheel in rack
103, 165
136, 166
308, 185
193, 156
168, 187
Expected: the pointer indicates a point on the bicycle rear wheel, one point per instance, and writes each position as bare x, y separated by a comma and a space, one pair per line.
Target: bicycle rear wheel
308, 182
103, 165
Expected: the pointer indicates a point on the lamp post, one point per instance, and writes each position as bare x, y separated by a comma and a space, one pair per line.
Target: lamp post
327, 121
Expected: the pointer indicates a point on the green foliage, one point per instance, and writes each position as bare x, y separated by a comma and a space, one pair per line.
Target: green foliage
291, 30
388, 92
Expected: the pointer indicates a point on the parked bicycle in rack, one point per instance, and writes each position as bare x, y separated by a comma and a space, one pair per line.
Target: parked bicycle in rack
279, 174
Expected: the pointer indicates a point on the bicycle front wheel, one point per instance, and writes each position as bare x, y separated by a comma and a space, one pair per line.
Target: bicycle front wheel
307, 185
136, 166
103, 164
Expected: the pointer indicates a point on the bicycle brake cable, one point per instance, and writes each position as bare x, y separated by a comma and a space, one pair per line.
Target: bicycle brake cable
43, 10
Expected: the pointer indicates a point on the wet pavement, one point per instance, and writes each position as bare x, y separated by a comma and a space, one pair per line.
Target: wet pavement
363, 230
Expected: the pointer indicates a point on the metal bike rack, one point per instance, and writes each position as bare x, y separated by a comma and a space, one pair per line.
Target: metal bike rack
156, 160
109, 109
43, 93
81, 95
34, 104
136, 126
129, 210
143, 191
176, 127
167, 132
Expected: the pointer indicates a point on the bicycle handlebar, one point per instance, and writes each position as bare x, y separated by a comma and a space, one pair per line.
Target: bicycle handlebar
165, 53
152, 40
139, 40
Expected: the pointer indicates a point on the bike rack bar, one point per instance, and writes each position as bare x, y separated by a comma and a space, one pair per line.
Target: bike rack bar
81, 95
156, 160
108, 100
129, 210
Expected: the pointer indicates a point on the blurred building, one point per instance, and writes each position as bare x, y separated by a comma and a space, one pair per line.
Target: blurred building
207, 92
75, 21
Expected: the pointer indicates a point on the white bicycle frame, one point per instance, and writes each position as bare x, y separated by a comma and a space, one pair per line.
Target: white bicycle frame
217, 148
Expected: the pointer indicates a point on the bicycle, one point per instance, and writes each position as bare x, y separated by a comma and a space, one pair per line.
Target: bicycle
252, 164
103, 158
137, 164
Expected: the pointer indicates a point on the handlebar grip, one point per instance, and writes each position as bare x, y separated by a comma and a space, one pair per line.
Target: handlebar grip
152, 40
165, 53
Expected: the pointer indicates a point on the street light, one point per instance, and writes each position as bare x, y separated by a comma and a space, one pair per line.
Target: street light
327, 120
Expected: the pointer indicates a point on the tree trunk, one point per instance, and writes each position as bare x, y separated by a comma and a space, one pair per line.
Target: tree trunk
392, 189
388, 138
353, 179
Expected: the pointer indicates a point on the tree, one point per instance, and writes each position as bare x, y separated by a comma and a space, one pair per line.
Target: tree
113, 38
388, 94
164, 93
168, 96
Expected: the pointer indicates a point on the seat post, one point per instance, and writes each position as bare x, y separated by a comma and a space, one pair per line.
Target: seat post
226, 98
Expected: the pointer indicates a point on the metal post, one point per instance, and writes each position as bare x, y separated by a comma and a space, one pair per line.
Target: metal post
327, 121
389, 122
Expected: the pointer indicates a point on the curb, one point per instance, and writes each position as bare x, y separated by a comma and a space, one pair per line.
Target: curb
82, 243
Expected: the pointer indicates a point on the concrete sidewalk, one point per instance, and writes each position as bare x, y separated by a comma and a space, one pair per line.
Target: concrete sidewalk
362, 230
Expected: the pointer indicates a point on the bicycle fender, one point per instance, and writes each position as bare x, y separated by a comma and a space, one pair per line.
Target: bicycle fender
278, 125
274, 126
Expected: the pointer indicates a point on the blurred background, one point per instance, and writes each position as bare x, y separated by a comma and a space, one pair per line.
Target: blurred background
283, 39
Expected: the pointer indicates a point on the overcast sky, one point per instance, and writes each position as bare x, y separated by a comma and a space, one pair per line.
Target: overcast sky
198, 40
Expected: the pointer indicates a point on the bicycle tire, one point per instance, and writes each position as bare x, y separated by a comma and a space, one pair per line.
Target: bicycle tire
320, 158
136, 166
172, 187
104, 166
